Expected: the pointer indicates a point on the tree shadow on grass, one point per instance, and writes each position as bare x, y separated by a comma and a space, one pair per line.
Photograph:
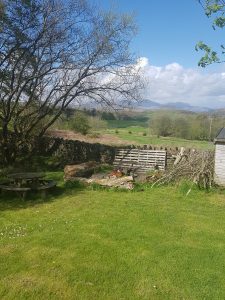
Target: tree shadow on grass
12, 201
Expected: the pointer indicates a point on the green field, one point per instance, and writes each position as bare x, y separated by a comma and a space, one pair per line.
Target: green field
98, 244
141, 128
134, 133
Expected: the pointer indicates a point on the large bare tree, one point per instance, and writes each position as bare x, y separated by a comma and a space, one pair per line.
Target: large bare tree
56, 53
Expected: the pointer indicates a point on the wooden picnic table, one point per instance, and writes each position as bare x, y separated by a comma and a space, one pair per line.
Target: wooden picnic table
25, 176
24, 182
30, 179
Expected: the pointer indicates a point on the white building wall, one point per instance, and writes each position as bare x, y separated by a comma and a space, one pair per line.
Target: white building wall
219, 175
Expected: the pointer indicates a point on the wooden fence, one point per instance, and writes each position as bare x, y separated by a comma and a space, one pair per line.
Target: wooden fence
142, 160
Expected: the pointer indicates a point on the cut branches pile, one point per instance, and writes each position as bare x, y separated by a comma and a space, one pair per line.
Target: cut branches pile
195, 166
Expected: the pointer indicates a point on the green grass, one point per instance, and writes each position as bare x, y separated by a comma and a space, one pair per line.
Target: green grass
136, 135
97, 244
113, 124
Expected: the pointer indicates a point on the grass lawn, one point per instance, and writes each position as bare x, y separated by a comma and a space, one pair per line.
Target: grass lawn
97, 244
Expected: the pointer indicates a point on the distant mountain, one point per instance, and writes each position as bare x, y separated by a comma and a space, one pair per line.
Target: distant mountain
149, 104
153, 105
177, 105
185, 106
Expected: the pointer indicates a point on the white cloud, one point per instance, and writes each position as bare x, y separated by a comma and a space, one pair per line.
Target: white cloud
174, 83
142, 62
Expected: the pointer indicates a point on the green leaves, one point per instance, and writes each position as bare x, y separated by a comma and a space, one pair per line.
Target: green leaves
213, 8
219, 22
217, 8
209, 57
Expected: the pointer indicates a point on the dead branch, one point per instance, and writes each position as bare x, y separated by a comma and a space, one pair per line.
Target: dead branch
198, 167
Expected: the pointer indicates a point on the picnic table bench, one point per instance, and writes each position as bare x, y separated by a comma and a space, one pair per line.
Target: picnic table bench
18, 190
21, 183
45, 186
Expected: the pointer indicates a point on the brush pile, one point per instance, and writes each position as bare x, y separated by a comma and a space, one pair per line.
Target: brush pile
195, 166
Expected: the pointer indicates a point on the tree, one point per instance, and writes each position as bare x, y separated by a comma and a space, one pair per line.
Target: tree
80, 123
216, 9
181, 128
54, 53
108, 115
161, 125
201, 127
97, 124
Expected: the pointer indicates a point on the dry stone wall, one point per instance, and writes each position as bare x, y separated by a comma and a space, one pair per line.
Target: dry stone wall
72, 152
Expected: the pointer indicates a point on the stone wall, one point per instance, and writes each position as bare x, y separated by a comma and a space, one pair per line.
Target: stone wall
72, 152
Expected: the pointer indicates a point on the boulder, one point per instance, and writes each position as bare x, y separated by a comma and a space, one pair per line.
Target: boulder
80, 170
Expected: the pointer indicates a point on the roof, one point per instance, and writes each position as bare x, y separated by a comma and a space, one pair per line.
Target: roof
220, 136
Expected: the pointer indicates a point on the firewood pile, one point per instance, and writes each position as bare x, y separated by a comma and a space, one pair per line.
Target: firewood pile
89, 173
195, 166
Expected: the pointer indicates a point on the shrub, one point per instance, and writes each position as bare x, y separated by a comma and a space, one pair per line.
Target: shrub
108, 116
80, 123
97, 123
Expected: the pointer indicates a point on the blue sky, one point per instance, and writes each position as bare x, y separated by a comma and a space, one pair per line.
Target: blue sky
169, 29
168, 33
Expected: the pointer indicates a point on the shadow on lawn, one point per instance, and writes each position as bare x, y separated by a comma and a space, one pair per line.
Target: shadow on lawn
12, 201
